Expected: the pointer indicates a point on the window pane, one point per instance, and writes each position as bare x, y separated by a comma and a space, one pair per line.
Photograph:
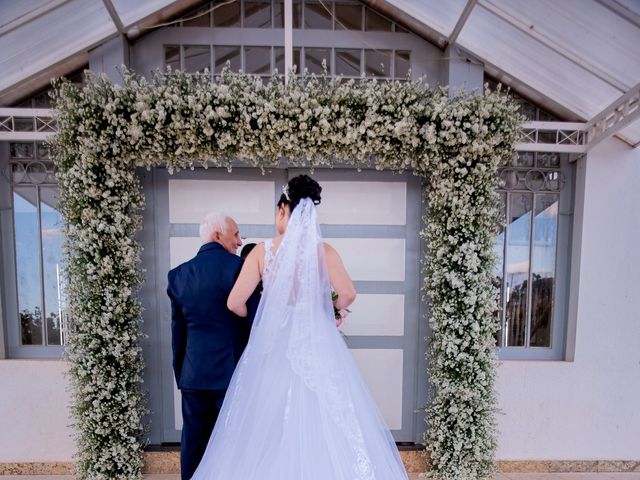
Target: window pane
172, 56
257, 14
548, 160
197, 58
376, 22
348, 17
498, 276
21, 150
27, 241
201, 20
43, 151
42, 100
314, 58
52, 237
317, 15
278, 14
543, 266
377, 63
518, 233
226, 15
348, 62
403, 64
257, 60
228, 54
279, 51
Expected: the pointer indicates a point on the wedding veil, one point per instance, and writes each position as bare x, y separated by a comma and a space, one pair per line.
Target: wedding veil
297, 407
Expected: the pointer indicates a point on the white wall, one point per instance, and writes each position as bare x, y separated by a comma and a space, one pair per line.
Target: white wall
34, 416
588, 409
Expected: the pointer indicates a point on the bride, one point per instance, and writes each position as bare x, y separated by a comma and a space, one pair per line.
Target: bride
297, 407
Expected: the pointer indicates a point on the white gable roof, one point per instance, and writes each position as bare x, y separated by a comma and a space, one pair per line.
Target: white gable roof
579, 54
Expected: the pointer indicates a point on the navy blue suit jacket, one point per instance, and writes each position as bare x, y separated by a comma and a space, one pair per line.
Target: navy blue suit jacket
207, 339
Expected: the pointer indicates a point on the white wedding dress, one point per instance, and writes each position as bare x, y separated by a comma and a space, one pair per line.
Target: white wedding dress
297, 407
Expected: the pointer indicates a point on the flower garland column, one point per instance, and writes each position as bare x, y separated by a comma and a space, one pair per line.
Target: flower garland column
101, 204
463, 215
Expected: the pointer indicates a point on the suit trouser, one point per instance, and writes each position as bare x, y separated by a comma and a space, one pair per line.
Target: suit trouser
200, 409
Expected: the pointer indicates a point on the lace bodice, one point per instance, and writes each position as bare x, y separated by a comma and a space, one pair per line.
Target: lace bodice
269, 257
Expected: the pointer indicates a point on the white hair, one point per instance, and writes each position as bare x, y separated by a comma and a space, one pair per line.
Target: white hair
212, 223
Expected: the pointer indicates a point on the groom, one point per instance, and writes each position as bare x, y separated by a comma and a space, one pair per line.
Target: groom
207, 339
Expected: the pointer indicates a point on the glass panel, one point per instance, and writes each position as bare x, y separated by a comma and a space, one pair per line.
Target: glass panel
228, 54
314, 58
377, 63
257, 14
52, 237
374, 22
197, 58
42, 100
278, 14
172, 56
498, 268
524, 159
226, 14
534, 180
279, 51
26, 103
517, 270
27, 241
43, 151
548, 160
544, 116
317, 15
403, 64
348, 62
348, 17
527, 109
543, 265
21, 150
201, 18
399, 29
554, 180
257, 60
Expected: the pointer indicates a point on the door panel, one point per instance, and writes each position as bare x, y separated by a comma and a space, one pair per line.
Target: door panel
371, 218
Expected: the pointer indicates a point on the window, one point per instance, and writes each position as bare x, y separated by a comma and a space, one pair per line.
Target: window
260, 60
532, 256
34, 296
307, 14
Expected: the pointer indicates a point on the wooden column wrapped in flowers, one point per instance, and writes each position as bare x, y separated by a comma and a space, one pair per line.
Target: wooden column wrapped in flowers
180, 121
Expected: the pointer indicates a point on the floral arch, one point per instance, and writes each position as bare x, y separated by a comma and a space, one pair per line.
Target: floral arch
456, 143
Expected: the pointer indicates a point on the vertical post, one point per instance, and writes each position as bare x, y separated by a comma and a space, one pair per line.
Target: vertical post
288, 38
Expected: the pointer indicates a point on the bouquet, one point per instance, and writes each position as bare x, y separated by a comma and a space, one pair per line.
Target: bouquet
339, 314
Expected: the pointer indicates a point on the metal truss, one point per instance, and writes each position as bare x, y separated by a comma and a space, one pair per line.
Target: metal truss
26, 124
616, 116
561, 137
33, 124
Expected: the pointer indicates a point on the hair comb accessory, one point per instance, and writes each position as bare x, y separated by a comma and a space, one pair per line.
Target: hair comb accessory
285, 191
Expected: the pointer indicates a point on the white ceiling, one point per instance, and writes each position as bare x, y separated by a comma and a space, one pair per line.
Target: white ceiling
579, 54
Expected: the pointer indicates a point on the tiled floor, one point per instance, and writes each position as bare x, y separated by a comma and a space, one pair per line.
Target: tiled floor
500, 476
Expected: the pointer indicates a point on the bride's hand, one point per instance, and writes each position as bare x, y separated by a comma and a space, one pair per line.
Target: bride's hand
343, 314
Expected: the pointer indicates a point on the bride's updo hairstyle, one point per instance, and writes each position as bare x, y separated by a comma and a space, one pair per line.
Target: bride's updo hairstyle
302, 186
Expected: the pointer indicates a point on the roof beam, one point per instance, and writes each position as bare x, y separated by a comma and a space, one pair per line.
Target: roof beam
464, 16
547, 42
615, 117
114, 15
32, 15
621, 10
